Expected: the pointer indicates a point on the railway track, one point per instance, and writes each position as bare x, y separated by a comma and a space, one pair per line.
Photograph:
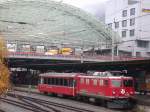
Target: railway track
2, 110
40, 105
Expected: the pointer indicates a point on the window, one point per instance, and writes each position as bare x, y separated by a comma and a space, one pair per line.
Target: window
132, 11
132, 32
71, 82
66, 82
41, 80
45, 80
116, 83
87, 81
61, 81
123, 33
124, 13
106, 82
124, 23
116, 24
128, 83
95, 82
110, 25
49, 81
143, 44
82, 81
101, 82
132, 21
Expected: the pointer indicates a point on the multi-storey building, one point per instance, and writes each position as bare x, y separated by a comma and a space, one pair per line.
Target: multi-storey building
131, 20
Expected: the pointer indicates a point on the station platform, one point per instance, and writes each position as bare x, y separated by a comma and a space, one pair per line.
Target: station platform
140, 99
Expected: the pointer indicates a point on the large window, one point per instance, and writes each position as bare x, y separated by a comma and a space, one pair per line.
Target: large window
132, 32
132, 11
124, 23
143, 44
124, 33
116, 83
124, 13
132, 21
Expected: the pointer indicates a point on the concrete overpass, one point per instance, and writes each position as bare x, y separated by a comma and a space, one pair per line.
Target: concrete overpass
72, 62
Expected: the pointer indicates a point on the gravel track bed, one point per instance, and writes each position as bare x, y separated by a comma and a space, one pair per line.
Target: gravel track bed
61, 104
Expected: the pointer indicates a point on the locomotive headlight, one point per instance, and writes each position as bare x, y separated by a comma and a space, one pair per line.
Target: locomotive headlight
131, 92
122, 91
113, 92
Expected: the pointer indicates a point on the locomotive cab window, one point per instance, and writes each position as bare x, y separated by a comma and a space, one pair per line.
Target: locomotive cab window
128, 83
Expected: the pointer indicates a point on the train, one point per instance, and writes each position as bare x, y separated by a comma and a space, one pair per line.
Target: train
109, 88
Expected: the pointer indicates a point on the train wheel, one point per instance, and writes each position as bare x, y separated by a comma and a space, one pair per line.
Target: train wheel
46, 93
85, 99
78, 98
54, 94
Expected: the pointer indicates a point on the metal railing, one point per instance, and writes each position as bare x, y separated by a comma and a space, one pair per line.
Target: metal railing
96, 58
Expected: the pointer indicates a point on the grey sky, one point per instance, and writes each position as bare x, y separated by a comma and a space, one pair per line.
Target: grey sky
95, 7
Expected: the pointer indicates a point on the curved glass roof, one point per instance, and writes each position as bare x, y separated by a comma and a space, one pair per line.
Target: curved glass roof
49, 21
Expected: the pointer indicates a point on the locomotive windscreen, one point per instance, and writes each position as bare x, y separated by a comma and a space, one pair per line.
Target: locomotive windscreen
116, 83
128, 83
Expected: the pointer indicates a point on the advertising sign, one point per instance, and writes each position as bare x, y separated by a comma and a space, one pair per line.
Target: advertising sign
40, 49
11, 47
26, 48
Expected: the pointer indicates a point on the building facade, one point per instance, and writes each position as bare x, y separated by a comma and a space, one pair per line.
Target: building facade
131, 20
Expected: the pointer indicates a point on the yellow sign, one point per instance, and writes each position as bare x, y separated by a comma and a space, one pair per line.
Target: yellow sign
146, 10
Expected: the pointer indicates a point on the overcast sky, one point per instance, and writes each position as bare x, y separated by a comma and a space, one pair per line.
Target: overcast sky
95, 7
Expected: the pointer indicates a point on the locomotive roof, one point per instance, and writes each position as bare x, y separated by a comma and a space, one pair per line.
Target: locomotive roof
81, 75
59, 74
110, 77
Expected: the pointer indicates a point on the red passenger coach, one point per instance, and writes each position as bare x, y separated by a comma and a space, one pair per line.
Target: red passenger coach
58, 83
111, 88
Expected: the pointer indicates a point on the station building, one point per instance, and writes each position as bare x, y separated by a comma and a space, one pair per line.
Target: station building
50, 24
130, 19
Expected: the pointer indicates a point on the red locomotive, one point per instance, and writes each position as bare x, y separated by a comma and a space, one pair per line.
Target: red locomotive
108, 87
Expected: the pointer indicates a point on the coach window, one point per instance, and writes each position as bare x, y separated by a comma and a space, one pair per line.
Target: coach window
101, 82
49, 81
70, 82
41, 80
87, 81
61, 82
95, 82
52, 81
45, 80
82, 80
57, 81
65, 82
